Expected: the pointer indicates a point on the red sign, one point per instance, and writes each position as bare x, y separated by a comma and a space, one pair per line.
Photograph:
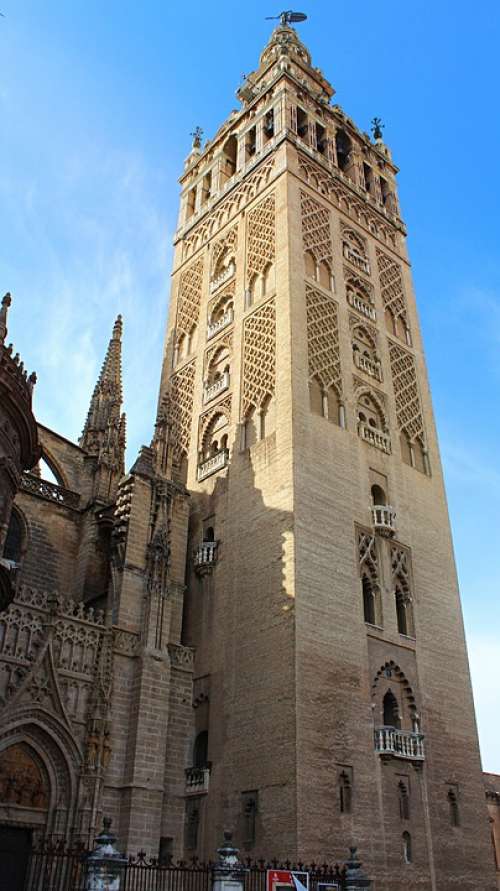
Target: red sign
286, 880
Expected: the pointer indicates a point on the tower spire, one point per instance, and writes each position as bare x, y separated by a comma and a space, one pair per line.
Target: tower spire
106, 401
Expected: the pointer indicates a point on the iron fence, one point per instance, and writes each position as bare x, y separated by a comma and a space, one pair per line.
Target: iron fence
58, 868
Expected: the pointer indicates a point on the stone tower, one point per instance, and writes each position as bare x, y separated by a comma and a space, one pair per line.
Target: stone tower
332, 699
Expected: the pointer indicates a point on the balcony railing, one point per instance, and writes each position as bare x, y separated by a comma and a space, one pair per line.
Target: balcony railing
213, 464
205, 557
223, 277
370, 366
221, 323
49, 491
384, 519
399, 743
356, 259
197, 780
375, 437
221, 384
361, 305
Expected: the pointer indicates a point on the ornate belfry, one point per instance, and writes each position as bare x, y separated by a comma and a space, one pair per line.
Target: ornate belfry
258, 626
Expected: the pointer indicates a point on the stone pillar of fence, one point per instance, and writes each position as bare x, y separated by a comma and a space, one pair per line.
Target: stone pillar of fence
228, 873
105, 866
355, 878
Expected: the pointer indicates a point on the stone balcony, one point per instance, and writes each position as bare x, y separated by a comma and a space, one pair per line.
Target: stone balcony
391, 742
369, 366
218, 387
375, 437
205, 557
384, 519
221, 323
197, 780
362, 306
213, 464
224, 277
356, 259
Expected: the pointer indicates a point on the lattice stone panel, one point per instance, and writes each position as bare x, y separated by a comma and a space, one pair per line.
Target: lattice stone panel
367, 555
408, 406
259, 356
323, 339
391, 286
189, 297
178, 408
400, 566
316, 233
228, 242
261, 229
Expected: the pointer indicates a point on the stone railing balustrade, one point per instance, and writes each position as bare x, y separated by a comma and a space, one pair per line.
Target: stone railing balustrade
384, 519
213, 464
371, 366
356, 259
375, 437
223, 277
197, 780
50, 491
399, 743
221, 323
221, 384
364, 308
206, 554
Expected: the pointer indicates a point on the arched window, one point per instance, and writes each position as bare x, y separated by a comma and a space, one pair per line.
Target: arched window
13, 548
200, 750
404, 612
404, 801
406, 449
407, 848
212, 442
209, 534
310, 265
268, 280
378, 495
251, 432
230, 154
343, 146
325, 275
333, 405
390, 322
391, 711
268, 417
453, 806
369, 610
345, 793
316, 400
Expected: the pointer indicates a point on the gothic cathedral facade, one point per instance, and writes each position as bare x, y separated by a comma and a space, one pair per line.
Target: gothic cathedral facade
258, 627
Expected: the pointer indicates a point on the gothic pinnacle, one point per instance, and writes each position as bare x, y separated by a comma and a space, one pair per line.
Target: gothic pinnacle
6, 301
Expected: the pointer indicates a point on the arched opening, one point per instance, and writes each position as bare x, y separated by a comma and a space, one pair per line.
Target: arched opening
268, 280
268, 417
214, 436
390, 321
345, 793
250, 428
316, 402
343, 147
230, 154
453, 806
209, 534
369, 610
200, 750
325, 275
47, 470
406, 449
391, 711
15, 543
333, 403
310, 265
378, 495
404, 801
419, 456
402, 610
407, 848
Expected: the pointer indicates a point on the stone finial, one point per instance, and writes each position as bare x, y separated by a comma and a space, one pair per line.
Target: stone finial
355, 878
6, 301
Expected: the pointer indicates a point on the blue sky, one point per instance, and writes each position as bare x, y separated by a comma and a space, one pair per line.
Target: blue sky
97, 101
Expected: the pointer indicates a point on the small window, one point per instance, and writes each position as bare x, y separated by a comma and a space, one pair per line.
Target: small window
343, 146
345, 793
207, 187
302, 123
407, 848
13, 547
321, 141
404, 801
368, 175
191, 203
251, 142
230, 152
391, 711
200, 750
453, 806
401, 612
368, 601
269, 125
378, 496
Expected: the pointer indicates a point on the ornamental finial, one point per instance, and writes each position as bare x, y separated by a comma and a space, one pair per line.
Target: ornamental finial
197, 134
377, 127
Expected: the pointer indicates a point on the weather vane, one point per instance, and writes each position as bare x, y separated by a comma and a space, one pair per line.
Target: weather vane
197, 134
377, 127
288, 17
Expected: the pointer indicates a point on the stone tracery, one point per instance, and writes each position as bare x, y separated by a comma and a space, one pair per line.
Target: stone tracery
259, 356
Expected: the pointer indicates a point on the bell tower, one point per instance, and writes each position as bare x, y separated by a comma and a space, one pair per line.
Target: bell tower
331, 701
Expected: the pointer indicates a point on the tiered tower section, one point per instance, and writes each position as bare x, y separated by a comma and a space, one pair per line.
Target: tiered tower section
332, 699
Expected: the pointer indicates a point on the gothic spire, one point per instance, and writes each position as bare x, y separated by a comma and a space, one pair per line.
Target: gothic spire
106, 401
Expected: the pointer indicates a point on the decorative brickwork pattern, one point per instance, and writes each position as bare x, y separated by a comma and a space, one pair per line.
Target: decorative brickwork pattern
189, 297
391, 286
323, 339
259, 356
178, 407
331, 187
316, 234
261, 236
367, 555
227, 244
238, 198
400, 567
404, 377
